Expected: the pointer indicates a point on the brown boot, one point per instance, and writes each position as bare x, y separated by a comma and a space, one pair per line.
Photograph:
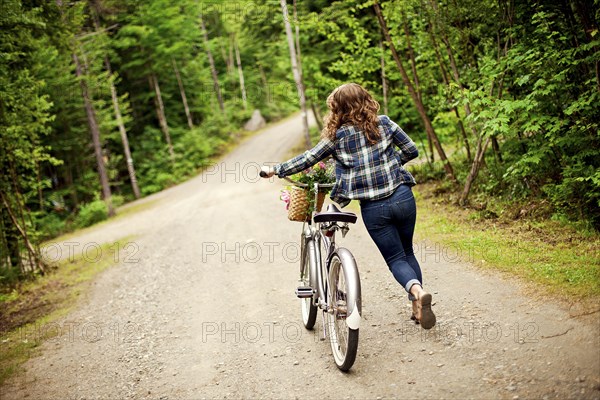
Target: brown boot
425, 314
415, 311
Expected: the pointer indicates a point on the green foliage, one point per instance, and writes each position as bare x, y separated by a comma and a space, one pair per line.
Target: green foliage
24, 122
578, 194
193, 148
550, 124
91, 213
50, 225
322, 172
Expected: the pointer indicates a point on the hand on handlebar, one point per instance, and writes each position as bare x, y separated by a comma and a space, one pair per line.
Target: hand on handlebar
266, 171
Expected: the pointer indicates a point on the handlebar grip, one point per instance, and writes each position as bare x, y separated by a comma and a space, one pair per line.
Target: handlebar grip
263, 174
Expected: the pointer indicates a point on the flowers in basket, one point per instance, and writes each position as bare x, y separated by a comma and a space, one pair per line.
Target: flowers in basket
300, 201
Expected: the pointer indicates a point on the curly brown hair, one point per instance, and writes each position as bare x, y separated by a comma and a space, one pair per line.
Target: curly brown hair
351, 104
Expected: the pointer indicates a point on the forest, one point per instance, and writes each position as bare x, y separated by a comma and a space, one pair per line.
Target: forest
106, 101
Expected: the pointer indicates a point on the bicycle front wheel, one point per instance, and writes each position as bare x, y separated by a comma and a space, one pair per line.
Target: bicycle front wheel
309, 309
343, 298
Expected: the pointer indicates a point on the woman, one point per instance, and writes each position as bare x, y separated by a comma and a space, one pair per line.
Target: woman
369, 169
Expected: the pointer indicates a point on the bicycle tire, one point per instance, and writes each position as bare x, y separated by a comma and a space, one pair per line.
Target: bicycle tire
309, 309
343, 339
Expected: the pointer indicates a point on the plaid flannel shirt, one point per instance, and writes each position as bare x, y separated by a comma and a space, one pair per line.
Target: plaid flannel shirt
362, 171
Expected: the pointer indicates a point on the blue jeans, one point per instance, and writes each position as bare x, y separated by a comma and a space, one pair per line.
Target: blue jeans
391, 224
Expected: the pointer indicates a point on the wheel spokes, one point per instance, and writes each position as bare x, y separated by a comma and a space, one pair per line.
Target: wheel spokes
340, 311
343, 339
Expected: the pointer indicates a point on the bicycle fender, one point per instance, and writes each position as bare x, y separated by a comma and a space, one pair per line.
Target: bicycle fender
353, 281
313, 267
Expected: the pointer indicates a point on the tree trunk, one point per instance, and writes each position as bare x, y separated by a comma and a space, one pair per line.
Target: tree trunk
68, 177
475, 166
30, 249
411, 90
117, 110
446, 80
453, 66
122, 131
317, 115
95, 132
19, 215
160, 112
20, 203
39, 185
188, 114
494, 137
263, 76
496, 148
228, 64
297, 36
296, 72
240, 72
411, 55
10, 238
213, 69
427, 157
438, 56
230, 58
124, 138
384, 86
413, 66
463, 133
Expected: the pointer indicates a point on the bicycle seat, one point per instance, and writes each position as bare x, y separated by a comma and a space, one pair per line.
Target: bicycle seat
333, 214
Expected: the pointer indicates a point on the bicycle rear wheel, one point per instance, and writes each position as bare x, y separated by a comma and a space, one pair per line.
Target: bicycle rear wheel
309, 310
343, 339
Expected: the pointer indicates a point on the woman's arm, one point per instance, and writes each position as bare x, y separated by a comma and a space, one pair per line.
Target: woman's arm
309, 158
408, 149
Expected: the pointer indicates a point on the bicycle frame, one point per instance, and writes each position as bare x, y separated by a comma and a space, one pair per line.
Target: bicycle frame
314, 237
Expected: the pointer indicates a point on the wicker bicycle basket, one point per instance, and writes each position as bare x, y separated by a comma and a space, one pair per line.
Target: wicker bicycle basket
300, 205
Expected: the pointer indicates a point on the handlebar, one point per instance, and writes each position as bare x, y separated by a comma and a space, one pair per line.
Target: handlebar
263, 174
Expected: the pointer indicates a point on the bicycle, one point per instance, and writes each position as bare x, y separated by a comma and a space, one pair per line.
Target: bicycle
330, 283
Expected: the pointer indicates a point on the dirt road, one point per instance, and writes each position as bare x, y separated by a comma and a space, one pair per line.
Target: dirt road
205, 308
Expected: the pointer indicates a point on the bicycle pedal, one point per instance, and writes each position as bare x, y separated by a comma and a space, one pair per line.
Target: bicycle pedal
304, 292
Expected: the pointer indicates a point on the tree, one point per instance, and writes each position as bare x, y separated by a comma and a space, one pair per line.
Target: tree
414, 94
213, 69
24, 122
296, 71
240, 72
188, 114
95, 133
117, 108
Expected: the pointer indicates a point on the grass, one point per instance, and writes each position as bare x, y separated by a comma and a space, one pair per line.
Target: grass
27, 313
558, 259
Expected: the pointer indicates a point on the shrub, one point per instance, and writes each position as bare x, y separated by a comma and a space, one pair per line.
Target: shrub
50, 225
117, 200
91, 213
